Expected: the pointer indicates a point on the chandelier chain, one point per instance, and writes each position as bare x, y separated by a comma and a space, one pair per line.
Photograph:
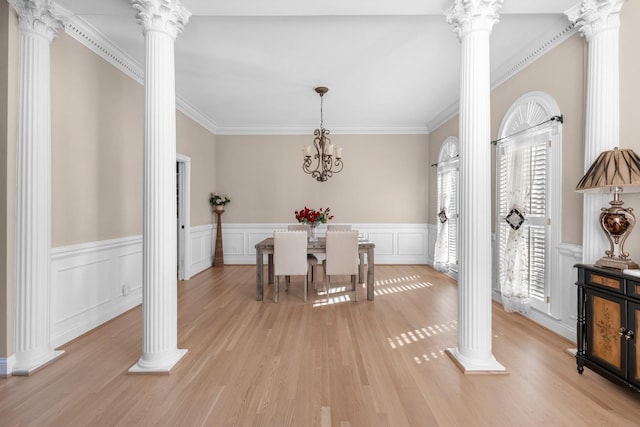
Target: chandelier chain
328, 157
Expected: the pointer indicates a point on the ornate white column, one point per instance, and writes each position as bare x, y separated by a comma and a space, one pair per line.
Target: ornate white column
472, 21
162, 20
599, 22
38, 24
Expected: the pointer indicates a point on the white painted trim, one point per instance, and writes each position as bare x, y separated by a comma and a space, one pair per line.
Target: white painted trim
184, 233
517, 115
93, 283
351, 130
86, 34
6, 365
118, 252
90, 37
561, 32
395, 243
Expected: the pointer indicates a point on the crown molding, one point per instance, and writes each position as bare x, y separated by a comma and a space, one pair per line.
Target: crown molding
559, 33
284, 130
93, 39
90, 37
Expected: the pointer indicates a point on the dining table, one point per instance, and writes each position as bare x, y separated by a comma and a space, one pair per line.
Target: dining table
265, 247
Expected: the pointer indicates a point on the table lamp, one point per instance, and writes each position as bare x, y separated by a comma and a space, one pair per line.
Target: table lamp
614, 171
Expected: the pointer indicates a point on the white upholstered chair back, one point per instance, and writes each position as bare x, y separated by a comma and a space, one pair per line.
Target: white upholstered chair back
339, 227
342, 256
312, 260
299, 227
290, 257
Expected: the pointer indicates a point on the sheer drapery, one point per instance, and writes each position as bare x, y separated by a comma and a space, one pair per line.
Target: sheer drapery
441, 262
523, 182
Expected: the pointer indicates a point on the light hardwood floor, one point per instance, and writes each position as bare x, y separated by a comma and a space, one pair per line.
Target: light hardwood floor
379, 363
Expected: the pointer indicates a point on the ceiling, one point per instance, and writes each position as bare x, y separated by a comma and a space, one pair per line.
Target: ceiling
251, 66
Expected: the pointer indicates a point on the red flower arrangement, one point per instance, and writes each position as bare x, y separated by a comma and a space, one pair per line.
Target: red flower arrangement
312, 216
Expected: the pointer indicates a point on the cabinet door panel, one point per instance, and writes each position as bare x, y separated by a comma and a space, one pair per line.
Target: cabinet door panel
634, 354
605, 316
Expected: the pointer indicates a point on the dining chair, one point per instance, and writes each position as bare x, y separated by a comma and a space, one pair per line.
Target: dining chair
290, 258
341, 258
312, 260
339, 227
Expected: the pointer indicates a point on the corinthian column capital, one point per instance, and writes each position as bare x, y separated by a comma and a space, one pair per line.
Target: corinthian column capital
168, 16
594, 16
38, 16
466, 16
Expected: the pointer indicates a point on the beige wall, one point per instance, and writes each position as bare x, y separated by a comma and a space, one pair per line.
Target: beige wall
438, 136
198, 144
97, 149
562, 74
97, 134
630, 104
384, 179
8, 130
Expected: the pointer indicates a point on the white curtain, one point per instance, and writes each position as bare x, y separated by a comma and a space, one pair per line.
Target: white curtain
515, 288
441, 261
519, 169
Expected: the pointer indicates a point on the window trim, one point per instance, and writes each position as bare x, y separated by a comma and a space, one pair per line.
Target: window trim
448, 160
529, 110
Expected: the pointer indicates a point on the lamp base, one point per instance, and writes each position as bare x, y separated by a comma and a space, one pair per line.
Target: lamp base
617, 263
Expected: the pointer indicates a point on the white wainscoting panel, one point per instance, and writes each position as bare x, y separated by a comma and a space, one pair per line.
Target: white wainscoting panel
92, 283
395, 243
202, 239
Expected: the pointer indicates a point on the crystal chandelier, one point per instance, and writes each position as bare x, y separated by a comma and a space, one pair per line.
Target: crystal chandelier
326, 155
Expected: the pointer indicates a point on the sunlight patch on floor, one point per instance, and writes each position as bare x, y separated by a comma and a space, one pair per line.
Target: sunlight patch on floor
337, 299
400, 284
428, 357
416, 335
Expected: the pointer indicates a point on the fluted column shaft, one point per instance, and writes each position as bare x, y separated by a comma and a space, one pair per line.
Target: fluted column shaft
37, 27
161, 20
472, 22
599, 22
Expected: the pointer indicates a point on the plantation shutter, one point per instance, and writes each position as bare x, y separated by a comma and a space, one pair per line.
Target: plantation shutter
447, 244
526, 156
452, 210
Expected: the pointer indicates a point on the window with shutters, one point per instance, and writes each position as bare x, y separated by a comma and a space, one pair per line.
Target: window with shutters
527, 211
446, 254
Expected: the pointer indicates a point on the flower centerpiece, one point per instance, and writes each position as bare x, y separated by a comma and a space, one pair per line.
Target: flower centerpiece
217, 201
313, 217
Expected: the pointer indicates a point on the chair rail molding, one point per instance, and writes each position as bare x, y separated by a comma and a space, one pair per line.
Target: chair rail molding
395, 243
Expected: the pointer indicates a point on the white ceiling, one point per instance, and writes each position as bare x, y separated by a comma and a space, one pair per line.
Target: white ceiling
250, 66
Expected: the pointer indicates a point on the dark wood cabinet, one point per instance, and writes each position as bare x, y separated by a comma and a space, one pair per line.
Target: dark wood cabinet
607, 328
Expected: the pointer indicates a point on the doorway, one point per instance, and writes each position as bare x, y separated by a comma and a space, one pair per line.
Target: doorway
183, 194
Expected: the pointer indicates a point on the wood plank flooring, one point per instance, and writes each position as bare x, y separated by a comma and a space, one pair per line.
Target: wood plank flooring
323, 363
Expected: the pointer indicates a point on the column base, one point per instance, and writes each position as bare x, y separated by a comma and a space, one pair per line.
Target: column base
163, 367
32, 366
468, 366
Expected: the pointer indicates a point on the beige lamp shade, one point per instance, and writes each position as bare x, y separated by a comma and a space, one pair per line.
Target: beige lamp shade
613, 168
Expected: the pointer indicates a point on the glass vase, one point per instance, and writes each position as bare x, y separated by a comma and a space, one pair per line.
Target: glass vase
313, 232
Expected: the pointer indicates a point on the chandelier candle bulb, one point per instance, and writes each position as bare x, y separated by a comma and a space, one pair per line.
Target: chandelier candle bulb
329, 150
338, 153
307, 151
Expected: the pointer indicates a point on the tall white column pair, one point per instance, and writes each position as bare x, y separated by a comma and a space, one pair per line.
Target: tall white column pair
38, 23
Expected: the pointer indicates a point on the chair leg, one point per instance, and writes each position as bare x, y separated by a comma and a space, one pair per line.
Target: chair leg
306, 287
326, 285
313, 275
355, 286
275, 298
287, 281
